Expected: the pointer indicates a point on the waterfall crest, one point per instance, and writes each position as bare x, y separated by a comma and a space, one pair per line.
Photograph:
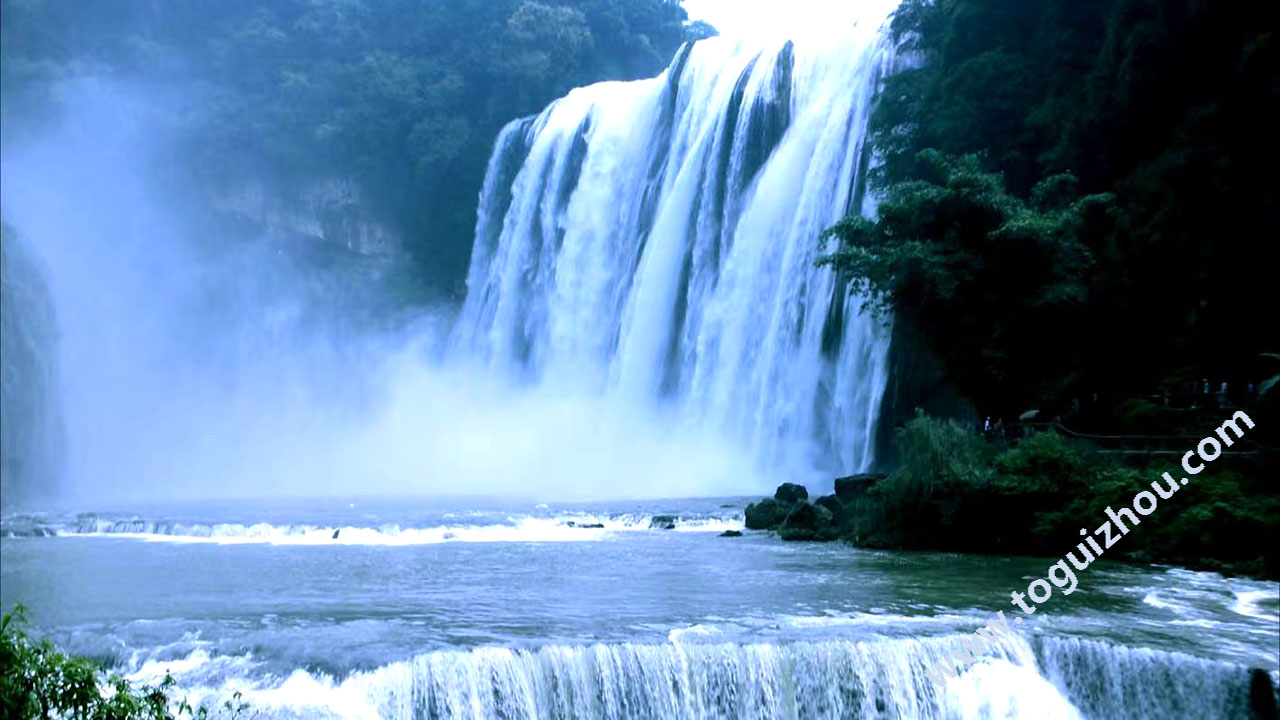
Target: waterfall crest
655, 242
1022, 677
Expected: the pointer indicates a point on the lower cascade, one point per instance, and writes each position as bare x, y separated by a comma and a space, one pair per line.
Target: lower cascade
655, 241
1043, 678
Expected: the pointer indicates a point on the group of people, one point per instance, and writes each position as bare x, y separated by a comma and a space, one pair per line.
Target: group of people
1202, 394
993, 432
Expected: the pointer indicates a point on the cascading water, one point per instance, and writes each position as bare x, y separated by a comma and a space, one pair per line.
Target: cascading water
31, 430
644, 250
655, 241
1022, 678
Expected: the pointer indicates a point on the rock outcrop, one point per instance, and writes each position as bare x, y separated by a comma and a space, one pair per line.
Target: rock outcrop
811, 523
851, 488
790, 513
662, 522
767, 514
791, 493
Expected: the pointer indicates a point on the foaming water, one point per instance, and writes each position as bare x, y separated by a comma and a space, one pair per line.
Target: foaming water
653, 243
1023, 678
677, 680
1261, 604
574, 527
481, 609
644, 316
1118, 682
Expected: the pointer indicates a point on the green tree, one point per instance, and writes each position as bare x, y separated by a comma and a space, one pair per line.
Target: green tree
979, 271
1160, 113
39, 681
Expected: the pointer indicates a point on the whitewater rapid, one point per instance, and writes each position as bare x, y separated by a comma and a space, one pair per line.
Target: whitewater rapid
1026, 677
455, 527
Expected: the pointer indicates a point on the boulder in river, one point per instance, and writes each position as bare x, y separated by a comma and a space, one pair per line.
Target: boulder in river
1262, 696
809, 522
853, 487
791, 493
731, 533
832, 503
767, 514
662, 522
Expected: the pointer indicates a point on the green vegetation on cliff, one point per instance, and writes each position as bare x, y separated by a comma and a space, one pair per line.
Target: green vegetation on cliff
403, 98
957, 492
1079, 197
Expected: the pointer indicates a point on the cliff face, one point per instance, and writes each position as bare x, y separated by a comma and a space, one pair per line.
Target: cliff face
31, 431
336, 210
917, 379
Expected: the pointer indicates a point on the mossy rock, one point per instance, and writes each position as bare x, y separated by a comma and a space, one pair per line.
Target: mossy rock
809, 522
767, 514
791, 493
849, 489
832, 503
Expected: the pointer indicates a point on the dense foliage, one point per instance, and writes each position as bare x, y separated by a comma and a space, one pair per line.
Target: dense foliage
403, 97
1080, 196
955, 491
39, 681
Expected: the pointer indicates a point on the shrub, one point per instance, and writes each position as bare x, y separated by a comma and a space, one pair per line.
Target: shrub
39, 681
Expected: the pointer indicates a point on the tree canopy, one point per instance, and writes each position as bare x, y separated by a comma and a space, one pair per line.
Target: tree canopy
402, 96
1079, 196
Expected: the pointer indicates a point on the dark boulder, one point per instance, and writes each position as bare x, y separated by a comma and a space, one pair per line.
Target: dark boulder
832, 503
766, 514
592, 526
1262, 696
791, 493
853, 487
837, 509
662, 522
731, 533
809, 522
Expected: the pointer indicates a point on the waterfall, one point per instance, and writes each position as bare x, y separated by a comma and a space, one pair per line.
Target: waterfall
31, 430
1109, 681
655, 241
883, 678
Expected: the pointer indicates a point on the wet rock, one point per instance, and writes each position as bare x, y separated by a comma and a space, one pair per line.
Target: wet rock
590, 526
87, 522
853, 487
832, 503
17, 529
1262, 696
767, 514
791, 493
731, 533
335, 534
662, 522
809, 522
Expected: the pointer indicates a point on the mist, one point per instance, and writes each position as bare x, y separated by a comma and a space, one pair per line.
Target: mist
196, 361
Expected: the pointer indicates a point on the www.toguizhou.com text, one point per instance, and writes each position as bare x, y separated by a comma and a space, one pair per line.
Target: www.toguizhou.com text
1117, 525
